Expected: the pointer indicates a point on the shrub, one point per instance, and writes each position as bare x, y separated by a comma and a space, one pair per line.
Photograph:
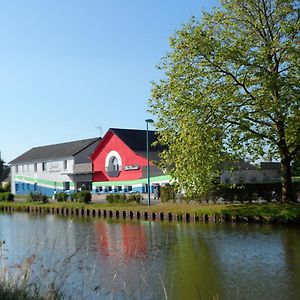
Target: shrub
113, 198
7, 196
10, 196
167, 193
74, 196
61, 196
84, 197
37, 197
45, 199
135, 198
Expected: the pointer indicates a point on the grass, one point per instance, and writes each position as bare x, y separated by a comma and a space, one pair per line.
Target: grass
267, 212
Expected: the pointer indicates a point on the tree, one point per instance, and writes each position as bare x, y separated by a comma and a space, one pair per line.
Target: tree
4, 170
231, 88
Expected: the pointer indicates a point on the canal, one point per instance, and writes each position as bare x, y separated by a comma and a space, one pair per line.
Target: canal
89, 258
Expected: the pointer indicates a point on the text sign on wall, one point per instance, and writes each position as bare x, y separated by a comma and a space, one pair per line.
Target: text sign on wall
54, 167
131, 167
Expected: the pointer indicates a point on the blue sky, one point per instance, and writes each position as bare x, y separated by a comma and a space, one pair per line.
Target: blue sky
68, 66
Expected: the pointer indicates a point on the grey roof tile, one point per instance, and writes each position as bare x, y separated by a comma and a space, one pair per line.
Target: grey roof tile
54, 151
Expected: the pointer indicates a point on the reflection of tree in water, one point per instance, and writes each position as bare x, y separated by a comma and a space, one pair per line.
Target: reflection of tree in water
291, 243
191, 271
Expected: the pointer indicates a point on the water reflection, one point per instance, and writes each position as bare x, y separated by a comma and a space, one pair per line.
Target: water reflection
128, 241
100, 259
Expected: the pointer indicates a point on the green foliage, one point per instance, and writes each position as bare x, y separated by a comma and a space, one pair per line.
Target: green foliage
123, 198
116, 198
167, 193
134, 198
7, 196
224, 96
4, 169
37, 197
61, 196
84, 197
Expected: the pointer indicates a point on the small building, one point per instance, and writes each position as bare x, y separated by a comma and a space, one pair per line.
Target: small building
120, 162
54, 168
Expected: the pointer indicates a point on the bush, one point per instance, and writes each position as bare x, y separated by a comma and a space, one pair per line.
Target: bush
167, 193
74, 196
37, 197
84, 197
7, 196
61, 196
114, 198
135, 198
10, 196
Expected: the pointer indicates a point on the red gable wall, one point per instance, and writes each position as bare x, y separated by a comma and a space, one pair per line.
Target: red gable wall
111, 142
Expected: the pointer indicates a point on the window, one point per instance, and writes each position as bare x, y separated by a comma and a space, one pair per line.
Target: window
119, 188
35, 167
44, 166
99, 189
35, 187
17, 169
27, 168
130, 188
23, 168
23, 186
27, 186
115, 164
109, 188
65, 164
113, 168
17, 187
66, 185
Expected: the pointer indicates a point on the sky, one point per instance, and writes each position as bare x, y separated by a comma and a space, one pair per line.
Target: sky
68, 67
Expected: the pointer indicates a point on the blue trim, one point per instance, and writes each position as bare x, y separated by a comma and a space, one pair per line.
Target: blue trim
27, 188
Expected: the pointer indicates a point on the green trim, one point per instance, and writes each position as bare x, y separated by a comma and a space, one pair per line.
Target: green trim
43, 181
131, 182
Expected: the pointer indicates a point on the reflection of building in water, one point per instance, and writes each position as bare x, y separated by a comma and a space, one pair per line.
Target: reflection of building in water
134, 241
130, 241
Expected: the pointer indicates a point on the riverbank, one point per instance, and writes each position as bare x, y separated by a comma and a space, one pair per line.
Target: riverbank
258, 213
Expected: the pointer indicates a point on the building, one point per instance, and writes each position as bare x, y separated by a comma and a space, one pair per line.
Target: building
245, 173
54, 168
120, 162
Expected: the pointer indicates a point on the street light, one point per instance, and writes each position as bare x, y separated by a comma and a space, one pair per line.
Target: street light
148, 164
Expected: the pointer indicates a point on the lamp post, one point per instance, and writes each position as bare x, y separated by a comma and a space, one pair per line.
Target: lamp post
148, 164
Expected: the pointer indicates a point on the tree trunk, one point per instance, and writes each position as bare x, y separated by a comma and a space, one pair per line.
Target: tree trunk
286, 179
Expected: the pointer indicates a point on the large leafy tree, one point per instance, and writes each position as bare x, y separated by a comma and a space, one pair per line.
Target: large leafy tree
231, 88
4, 170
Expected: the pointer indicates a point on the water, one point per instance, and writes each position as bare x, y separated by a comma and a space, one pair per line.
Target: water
106, 259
